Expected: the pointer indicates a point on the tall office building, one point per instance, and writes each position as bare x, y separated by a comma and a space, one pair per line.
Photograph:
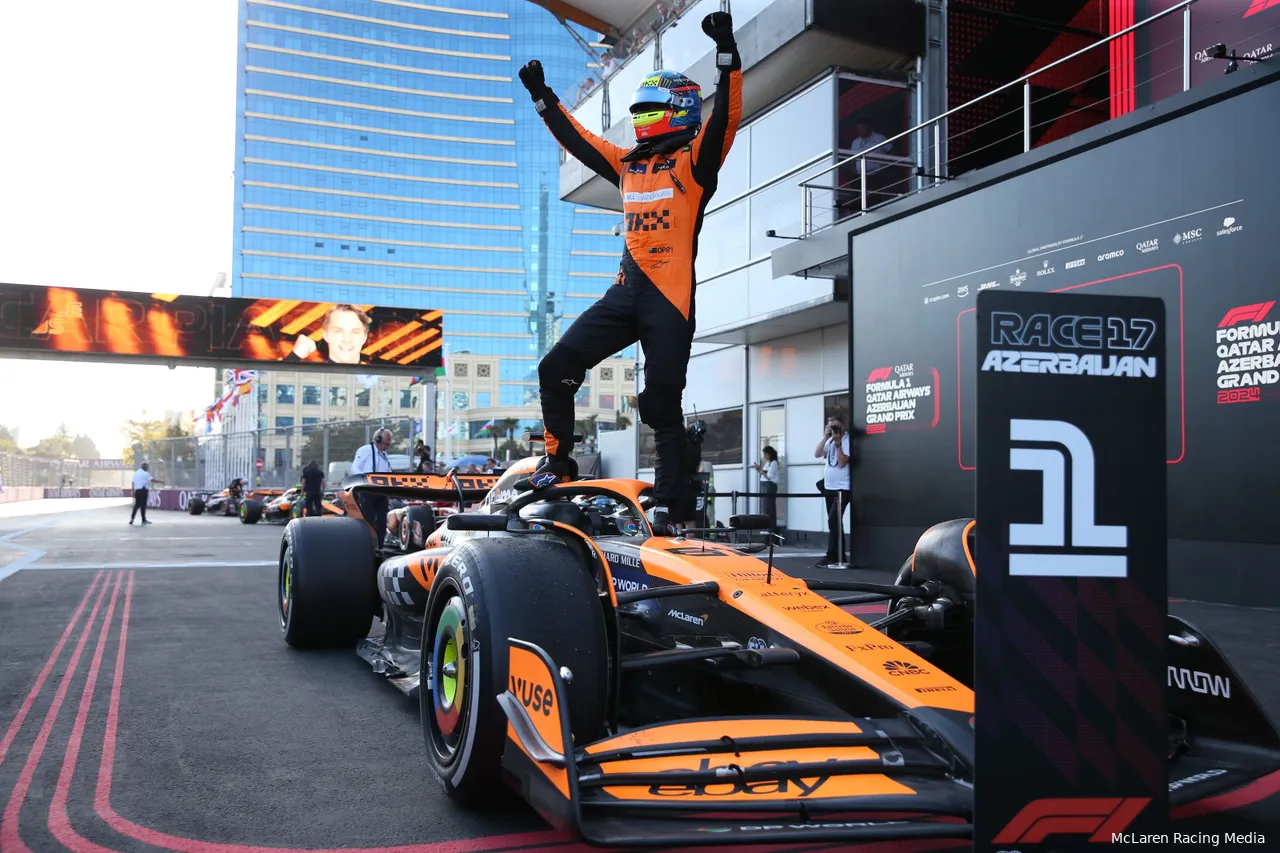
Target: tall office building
387, 154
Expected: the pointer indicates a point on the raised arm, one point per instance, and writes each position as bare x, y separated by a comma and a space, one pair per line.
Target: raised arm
603, 158
712, 145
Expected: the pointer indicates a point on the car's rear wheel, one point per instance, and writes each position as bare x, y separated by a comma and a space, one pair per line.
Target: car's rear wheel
250, 511
327, 590
486, 591
195, 505
414, 538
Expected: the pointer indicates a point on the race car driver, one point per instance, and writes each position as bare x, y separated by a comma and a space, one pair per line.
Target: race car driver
666, 181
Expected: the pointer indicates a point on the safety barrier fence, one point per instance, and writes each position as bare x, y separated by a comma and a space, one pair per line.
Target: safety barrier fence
837, 511
882, 173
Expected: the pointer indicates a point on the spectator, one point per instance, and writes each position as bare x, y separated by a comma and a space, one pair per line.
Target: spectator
372, 459
490, 465
836, 485
142, 481
769, 484
312, 489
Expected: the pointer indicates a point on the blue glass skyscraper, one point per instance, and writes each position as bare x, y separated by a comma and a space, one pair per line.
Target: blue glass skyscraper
387, 154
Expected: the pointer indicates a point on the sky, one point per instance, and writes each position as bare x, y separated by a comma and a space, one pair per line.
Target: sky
118, 173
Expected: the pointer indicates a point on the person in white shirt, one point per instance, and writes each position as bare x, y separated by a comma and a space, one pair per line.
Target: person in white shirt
769, 484
864, 138
837, 485
372, 459
142, 481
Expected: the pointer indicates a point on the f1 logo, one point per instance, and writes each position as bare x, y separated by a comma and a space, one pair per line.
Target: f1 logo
1255, 313
1099, 817
1051, 532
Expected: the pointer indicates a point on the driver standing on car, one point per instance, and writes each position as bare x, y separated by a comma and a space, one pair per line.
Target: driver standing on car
372, 459
666, 181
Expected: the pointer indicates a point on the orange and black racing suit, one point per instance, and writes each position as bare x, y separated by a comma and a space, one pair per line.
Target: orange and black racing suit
665, 189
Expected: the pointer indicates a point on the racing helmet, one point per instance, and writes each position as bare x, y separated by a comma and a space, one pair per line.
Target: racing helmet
666, 103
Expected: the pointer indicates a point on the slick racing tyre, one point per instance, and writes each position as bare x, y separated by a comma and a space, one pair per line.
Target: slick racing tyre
328, 590
416, 525
195, 506
486, 591
250, 511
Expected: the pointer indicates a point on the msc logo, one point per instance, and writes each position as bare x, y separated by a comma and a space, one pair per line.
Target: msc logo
902, 667
1051, 531
649, 220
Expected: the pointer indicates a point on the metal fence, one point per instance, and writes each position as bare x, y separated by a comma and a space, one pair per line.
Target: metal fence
874, 177
211, 461
17, 469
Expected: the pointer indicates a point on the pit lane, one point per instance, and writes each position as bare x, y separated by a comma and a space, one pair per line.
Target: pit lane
148, 703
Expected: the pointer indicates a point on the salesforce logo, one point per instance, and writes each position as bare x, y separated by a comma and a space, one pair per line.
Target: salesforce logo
1107, 256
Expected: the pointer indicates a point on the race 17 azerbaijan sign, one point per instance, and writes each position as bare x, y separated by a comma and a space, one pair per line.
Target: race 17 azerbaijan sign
1069, 638
115, 325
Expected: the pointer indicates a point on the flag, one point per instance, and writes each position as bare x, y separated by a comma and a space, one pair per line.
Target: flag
487, 427
455, 428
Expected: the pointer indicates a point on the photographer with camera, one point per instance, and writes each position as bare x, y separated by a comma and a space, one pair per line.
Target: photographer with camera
836, 485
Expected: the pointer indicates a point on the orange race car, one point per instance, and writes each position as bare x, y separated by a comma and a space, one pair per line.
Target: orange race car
655, 691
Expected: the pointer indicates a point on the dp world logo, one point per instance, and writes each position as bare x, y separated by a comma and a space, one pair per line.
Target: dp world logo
1053, 555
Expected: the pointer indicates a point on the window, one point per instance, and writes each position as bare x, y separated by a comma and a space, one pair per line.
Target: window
722, 444
310, 395
459, 399
482, 400
281, 458
362, 398
283, 424
835, 404
263, 390
284, 396
337, 395
606, 401
408, 399
308, 425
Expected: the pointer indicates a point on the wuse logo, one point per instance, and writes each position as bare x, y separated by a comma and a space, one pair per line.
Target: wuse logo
1051, 533
1098, 817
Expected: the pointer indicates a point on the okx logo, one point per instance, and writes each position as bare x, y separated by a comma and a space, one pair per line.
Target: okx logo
1054, 556
1100, 818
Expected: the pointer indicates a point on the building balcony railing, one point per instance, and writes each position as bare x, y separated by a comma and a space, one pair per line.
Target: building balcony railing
876, 175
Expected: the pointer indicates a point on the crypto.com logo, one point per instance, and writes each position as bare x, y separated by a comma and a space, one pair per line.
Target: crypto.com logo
1255, 313
1260, 6
1098, 817
1051, 532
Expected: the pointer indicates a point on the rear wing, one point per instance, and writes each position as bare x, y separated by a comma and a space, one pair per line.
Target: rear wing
465, 488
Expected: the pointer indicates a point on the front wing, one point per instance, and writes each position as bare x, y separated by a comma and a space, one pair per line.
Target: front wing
722, 782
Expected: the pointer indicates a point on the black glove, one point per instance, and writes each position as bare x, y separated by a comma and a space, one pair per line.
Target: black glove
719, 28
532, 77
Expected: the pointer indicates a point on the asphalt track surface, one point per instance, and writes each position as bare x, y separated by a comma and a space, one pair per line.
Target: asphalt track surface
148, 703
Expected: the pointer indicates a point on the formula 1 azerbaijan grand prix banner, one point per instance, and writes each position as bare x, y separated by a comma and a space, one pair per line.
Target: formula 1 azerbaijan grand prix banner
115, 325
1185, 211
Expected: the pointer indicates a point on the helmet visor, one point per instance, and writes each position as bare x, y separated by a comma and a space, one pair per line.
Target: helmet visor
654, 98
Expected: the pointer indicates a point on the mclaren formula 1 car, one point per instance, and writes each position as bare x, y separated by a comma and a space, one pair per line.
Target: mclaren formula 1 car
654, 691
282, 508
223, 503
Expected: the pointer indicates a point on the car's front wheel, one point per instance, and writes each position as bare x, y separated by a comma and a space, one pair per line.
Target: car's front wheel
489, 590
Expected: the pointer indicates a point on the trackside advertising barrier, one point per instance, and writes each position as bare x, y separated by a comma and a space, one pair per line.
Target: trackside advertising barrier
96, 492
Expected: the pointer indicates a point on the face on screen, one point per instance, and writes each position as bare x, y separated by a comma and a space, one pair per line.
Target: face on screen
346, 335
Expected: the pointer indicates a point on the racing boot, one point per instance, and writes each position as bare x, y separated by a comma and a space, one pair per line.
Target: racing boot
550, 471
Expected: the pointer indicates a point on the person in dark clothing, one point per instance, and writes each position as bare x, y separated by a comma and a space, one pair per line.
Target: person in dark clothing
666, 181
312, 489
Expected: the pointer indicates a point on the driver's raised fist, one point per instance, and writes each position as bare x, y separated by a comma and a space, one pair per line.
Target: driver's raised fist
532, 77
719, 27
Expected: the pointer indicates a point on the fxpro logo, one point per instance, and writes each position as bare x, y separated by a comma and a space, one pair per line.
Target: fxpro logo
1056, 493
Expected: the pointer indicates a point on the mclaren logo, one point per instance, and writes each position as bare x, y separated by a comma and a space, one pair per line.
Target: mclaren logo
685, 617
902, 667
